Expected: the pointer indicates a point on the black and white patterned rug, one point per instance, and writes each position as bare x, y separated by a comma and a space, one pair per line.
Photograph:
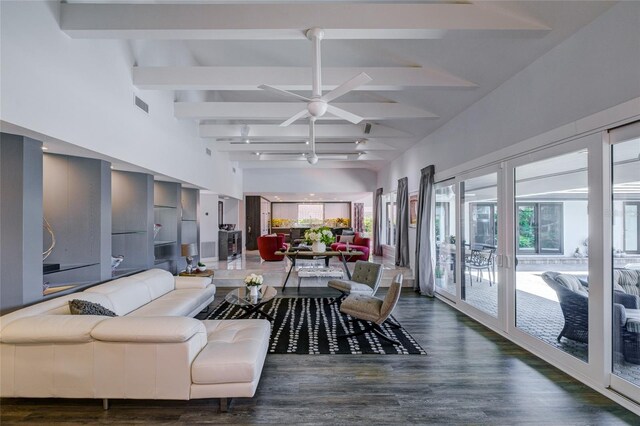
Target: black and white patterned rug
311, 326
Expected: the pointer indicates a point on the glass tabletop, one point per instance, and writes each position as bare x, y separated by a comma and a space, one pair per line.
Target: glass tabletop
240, 296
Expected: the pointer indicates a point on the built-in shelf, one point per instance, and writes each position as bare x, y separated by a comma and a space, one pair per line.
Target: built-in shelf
163, 243
70, 267
126, 271
164, 207
128, 232
189, 220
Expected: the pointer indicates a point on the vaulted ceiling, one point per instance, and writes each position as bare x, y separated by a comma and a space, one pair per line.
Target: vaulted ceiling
428, 62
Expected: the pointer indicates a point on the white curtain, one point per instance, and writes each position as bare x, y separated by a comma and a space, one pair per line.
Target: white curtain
424, 278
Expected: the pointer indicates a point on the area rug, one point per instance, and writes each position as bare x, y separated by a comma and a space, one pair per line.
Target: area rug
311, 326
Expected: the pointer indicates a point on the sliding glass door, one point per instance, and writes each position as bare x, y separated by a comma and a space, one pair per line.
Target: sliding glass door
445, 238
625, 234
551, 233
479, 225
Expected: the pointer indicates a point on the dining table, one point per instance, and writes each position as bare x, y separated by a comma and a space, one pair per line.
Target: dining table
294, 254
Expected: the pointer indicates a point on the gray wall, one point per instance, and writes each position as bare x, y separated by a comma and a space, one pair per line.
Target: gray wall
20, 221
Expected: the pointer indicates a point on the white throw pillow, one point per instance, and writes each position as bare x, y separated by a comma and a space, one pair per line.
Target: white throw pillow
347, 239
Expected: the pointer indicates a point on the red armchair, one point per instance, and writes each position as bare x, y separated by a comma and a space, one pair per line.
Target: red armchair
269, 244
359, 243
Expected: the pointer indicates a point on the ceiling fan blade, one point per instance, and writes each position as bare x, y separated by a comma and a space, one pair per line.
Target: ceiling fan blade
302, 114
347, 86
283, 92
345, 115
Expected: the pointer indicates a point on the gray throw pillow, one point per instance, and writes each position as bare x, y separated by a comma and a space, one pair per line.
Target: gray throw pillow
82, 307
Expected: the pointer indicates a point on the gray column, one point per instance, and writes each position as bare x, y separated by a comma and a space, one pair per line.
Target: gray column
21, 236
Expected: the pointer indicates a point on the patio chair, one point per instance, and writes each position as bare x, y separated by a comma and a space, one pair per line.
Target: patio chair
372, 312
479, 259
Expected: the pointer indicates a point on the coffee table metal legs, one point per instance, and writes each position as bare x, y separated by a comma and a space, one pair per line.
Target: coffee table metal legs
251, 310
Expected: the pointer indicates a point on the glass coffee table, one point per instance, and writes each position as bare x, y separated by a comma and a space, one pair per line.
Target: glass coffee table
240, 297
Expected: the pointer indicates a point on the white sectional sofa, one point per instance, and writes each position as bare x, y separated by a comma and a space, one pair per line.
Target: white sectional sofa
151, 350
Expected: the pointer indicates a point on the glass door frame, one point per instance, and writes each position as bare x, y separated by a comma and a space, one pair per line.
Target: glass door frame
612, 380
462, 305
597, 301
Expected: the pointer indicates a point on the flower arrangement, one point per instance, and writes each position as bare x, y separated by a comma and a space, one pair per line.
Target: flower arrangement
253, 280
322, 234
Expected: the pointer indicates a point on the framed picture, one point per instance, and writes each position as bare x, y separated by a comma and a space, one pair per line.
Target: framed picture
413, 210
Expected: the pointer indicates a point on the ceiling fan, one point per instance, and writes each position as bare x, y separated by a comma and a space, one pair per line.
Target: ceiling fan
318, 104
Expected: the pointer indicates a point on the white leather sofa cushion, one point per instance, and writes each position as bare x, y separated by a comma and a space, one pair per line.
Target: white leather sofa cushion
158, 281
176, 303
57, 306
234, 353
126, 294
51, 329
192, 282
147, 329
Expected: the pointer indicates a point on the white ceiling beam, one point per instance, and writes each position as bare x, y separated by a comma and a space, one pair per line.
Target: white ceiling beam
288, 78
298, 131
289, 21
284, 110
302, 147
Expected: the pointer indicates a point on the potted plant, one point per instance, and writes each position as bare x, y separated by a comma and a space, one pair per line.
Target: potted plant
319, 238
202, 267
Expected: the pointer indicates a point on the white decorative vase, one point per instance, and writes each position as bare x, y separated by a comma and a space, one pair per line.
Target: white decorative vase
254, 290
318, 247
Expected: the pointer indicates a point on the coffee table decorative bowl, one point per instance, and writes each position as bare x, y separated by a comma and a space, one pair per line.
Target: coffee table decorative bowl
242, 298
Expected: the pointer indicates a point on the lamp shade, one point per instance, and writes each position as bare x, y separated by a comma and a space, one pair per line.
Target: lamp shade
189, 249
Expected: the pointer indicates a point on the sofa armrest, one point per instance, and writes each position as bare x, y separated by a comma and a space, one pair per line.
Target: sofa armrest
619, 315
629, 301
51, 329
183, 283
148, 329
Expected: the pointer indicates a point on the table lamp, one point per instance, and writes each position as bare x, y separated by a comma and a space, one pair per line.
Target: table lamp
189, 250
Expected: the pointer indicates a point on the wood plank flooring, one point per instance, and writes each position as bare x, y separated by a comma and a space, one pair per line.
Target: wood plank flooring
471, 376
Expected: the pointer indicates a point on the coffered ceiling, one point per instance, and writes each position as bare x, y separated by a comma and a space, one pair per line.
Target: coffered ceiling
428, 62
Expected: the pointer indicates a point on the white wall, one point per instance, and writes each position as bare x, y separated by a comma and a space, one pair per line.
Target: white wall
315, 180
230, 211
594, 69
208, 215
80, 92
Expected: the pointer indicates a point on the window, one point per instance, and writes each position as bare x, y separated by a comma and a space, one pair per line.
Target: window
484, 223
389, 219
311, 214
631, 226
540, 228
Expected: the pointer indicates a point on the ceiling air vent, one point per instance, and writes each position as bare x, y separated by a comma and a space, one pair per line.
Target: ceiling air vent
141, 104
208, 151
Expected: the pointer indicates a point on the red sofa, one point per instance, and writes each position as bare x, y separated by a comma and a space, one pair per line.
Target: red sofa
359, 243
269, 244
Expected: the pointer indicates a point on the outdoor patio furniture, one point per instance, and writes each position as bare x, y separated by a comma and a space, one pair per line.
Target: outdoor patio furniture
573, 294
480, 258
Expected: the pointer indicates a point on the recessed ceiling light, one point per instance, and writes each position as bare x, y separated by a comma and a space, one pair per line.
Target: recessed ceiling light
312, 194
306, 142
44, 148
112, 167
257, 153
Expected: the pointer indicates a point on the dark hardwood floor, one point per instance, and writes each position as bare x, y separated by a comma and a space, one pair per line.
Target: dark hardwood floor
470, 376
